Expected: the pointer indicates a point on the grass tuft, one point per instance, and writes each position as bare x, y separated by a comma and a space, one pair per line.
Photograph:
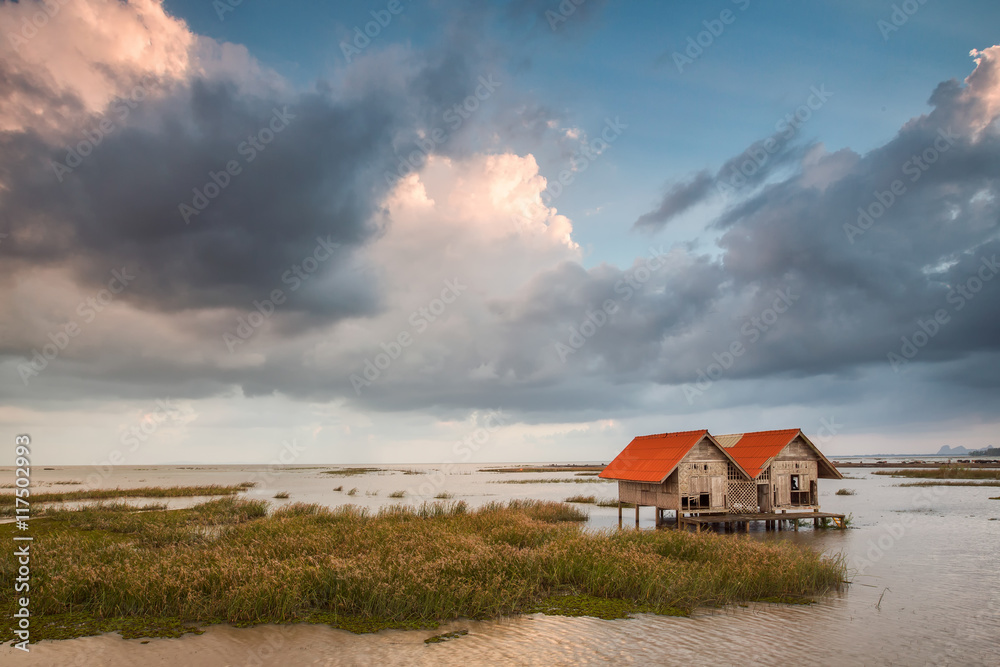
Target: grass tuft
281, 495
397, 494
845, 492
611, 502
582, 499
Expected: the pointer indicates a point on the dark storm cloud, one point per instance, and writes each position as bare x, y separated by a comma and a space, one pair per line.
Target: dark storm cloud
154, 195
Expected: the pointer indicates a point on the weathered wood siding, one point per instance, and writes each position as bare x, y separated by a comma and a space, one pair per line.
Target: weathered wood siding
646, 493
797, 450
795, 459
704, 470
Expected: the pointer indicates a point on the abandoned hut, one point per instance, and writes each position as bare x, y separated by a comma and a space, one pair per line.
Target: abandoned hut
782, 468
685, 472
731, 479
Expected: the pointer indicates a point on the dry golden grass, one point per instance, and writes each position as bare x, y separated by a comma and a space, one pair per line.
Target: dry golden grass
228, 560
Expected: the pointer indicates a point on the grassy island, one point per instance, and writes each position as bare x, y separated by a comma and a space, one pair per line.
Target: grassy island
944, 472
163, 573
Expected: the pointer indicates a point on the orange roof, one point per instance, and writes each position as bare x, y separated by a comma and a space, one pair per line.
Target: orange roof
651, 458
753, 450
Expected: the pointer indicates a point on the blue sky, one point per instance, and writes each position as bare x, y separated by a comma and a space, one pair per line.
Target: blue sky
616, 61
538, 261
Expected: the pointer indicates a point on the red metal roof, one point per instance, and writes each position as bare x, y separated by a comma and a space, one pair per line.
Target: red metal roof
651, 458
754, 450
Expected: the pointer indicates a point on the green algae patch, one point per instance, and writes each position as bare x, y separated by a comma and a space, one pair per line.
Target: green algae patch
82, 624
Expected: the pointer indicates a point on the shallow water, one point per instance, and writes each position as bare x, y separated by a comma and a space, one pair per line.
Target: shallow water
929, 553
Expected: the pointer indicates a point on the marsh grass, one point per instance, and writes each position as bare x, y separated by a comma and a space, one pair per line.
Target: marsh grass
338, 488
145, 492
552, 480
281, 495
582, 499
943, 483
348, 472
944, 472
353, 492
444, 495
101, 569
397, 494
845, 492
611, 502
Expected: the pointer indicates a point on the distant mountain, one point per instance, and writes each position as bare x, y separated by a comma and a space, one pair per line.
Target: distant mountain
952, 451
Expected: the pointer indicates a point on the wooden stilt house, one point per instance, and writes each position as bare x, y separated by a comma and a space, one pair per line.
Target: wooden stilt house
688, 472
781, 471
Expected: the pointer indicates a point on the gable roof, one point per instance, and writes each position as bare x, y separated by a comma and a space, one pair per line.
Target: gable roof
753, 451
651, 458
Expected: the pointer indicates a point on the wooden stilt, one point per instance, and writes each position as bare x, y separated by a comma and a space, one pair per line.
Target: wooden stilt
619, 514
637, 515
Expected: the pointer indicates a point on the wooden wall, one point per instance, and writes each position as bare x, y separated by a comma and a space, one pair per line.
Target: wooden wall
795, 459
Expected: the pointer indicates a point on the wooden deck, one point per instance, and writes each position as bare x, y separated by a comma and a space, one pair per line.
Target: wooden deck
773, 520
